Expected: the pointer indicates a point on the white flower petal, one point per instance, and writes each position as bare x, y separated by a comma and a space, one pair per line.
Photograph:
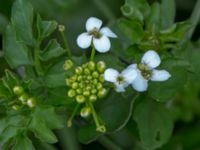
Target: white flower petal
111, 75
102, 44
160, 75
92, 23
84, 40
140, 84
107, 32
129, 74
151, 58
119, 88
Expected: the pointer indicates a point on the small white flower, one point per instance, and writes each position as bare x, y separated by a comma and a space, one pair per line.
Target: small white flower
120, 80
97, 35
146, 71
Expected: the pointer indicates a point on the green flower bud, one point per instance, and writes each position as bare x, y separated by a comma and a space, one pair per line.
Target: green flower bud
101, 78
81, 85
18, 90
80, 98
79, 78
78, 70
99, 85
93, 98
88, 87
95, 74
61, 28
94, 91
79, 91
71, 93
91, 65
86, 71
101, 66
85, 112
68, 81
86, 93
16, 107
89, 77
68, 64
31, 102
75, 85
95, 81
23, 98
73, 78
102, 92
101, 129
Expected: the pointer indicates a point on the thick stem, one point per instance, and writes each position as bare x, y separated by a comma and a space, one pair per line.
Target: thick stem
92, 53
106, 142
194, 19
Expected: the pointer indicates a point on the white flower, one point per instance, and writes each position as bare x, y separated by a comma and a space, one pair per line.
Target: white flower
120, 80
146, 71
97, 35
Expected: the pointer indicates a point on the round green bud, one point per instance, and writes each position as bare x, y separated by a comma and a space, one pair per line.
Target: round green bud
18, 90
73, 78
31, 102
94, 91
85, 65
71, 93
99, 85
61, 28
68, 82
101, 66
68, 64
81, 84
85, 112
80, 99
86, 93
102, 92
16, 107
23, 98
89, 77
86, 71
79, 91
88, 87
78, 70
101, 78
101, 129
95, 81
95, 74
91, 65
79, 78
93, 98
75, 85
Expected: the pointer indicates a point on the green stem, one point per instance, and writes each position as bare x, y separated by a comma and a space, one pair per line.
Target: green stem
106, 142
194, 19
67, 139
65, 42
69, 122
92, 53
96, 120
38, 66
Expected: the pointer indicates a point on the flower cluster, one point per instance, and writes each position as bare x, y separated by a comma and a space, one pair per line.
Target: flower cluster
86, 86
138, 75
22, 99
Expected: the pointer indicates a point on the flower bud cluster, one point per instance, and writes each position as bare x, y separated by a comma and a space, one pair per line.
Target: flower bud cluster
23, 99
87, 82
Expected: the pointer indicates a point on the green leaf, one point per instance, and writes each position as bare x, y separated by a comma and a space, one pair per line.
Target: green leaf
16, 53
162, 91
114, 111
132, 29
41, 130
154, 123
45, 28
154, 19
168, 12
22, 19
53, 121
52, 50
8, 133
55, 76
136, 9
4, 92
22, 141
3, 23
